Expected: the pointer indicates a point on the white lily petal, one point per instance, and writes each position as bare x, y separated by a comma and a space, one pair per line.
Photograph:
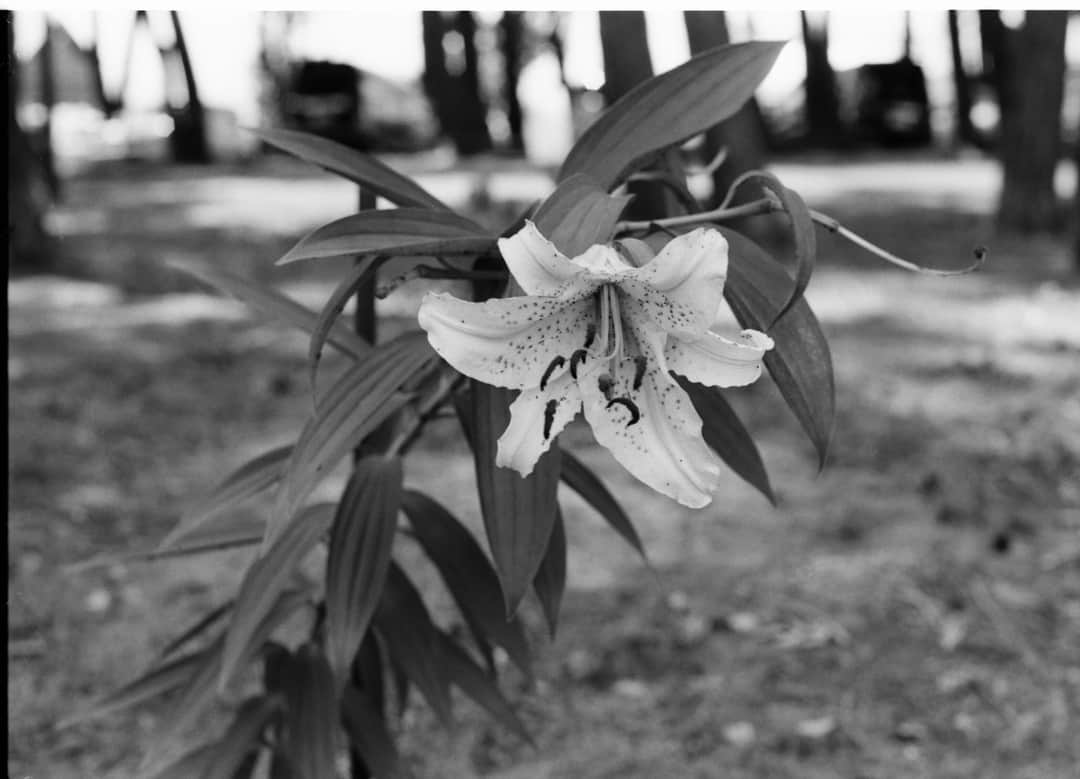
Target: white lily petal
509, 342
538, 267
683, 286
603, 263
532, 428
663, 448
718, 362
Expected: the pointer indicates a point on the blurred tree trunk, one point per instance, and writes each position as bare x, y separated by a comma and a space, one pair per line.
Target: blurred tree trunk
436, 79
473, 137
744, 135
456, 96
189, 140
965, 131
1030, 69
512, 28
108, 106
626, 64
822, 100
27, 187
48, 97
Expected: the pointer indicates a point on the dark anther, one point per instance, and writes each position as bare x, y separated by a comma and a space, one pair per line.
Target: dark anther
549, 417
605, 384
557, 363
590, 335
640, 363
631, 406
576, 358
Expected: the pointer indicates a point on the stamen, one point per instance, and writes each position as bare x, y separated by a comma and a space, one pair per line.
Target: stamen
640, 364
635, 413
575, 358
549, 417
616, 323
590, 335
605, 313
605, 384
553, 366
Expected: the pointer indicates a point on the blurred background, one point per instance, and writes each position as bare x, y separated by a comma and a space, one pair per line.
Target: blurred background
909, 612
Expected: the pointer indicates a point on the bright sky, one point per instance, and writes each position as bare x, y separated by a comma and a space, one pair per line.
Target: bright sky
224, 43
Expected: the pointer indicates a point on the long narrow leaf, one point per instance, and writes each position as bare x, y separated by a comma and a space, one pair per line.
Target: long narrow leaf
204, 623
361, 272
392, 232
365, 170
724, 432
468, 575
757, 288
550, 580
579, 214
367, 732
669, 109
272, 305
361, 540
242, 737
586, 484
311, 726
518, 511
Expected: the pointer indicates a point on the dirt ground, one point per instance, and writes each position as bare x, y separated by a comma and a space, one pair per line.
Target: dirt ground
911, 611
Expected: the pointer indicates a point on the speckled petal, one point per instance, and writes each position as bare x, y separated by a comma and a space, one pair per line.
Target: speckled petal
523, 441
537, 266
682, 287
509, 342
664, 449
717, 362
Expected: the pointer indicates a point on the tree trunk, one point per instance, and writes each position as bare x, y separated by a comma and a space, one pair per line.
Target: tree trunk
473, 136
108, 107
626, 64
965, 131
822, 100
1032, 87
48, 97
512, 28
744, 134
436, 79
189, 136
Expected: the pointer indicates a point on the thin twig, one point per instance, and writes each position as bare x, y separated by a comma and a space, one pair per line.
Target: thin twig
763, 206
432, 272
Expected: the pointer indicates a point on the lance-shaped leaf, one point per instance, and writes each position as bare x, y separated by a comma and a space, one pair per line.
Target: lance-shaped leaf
518, 512
468, 575
204, 623
804, 236
393, 232
669, 109
159, 680
579, 214
800, 364
550, 581
248, 480
724, 432
353, 407
411, 639
472, 680
242, 738
367, 670
363, 169
194, 762
361, 540
267, 578
272, 305
586, 484
311, 734
362, 272
367, 732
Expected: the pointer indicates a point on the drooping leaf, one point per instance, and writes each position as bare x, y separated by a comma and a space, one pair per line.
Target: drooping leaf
272, 305
193, 763
363, 169
550, 580
367, 732
226, 532
248, 480
586, 484
724, 432
204, 623
468, 575
392, 232
267, 578
472, 680
367, 670
361, 540
411, 639
579, 214
310, 729
353, 407
161, 679
361, 272
669, 109
518, 512
242, 737
757, 288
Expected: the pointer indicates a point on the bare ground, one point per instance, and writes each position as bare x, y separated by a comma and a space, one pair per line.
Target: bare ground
912, 611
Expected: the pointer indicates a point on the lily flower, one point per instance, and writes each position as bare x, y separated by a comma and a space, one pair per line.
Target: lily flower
596, 333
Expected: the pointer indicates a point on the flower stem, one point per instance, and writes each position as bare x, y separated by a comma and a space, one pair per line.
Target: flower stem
763, 206
425, 412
